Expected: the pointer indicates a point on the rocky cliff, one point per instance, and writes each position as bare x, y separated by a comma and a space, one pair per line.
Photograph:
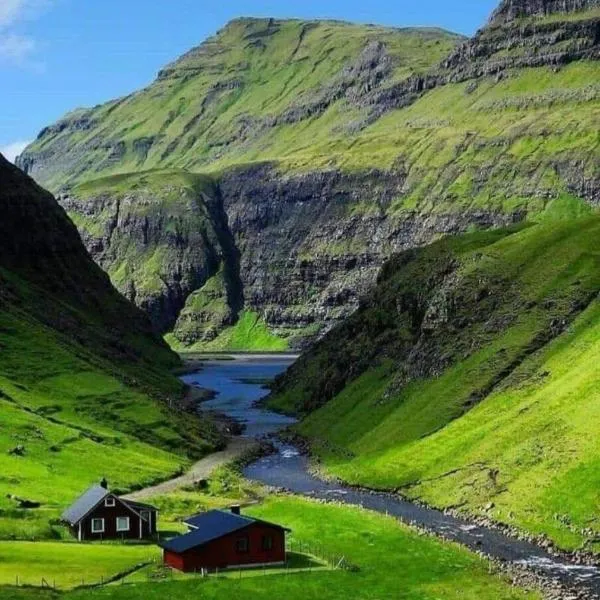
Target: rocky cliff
325, 147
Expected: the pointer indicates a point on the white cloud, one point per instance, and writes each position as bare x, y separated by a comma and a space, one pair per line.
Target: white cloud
11, 151
16, 48
12, 11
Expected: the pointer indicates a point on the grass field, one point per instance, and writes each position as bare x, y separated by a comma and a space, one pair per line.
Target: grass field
68, 565
391, 560
249, 334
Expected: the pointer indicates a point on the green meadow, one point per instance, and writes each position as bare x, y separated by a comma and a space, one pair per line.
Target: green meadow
386, 560
68, 565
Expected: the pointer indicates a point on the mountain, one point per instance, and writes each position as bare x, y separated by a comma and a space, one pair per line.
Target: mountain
85, 384
469, 379
323, 148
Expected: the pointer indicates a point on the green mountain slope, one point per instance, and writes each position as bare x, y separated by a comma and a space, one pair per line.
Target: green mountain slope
469, 379
331, 146
85, 389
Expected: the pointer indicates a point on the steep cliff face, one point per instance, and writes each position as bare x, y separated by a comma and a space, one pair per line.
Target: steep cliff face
160, 236
328, 146
311, 245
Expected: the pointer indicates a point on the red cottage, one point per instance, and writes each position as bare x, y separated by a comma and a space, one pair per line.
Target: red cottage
101, 515
220, 539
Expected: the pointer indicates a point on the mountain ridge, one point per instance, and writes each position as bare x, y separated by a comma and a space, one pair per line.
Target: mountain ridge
391, 137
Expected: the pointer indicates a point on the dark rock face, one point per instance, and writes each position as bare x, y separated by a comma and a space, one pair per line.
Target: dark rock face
300, 250
158, 253
309, 247
510, 10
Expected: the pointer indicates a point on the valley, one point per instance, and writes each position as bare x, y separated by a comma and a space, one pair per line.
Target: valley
344, 276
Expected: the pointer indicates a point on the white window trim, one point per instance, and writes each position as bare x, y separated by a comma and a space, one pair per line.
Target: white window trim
121, 529
94, 530
110, 502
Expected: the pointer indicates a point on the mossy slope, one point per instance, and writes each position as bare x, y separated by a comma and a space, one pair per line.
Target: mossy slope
85, 389
469, 379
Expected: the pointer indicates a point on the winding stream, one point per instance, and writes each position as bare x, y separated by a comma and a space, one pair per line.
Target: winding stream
239, 384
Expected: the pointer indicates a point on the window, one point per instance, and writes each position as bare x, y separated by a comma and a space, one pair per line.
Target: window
97, 525
110, 501
122, 523
145, 514
242, 545
267, 542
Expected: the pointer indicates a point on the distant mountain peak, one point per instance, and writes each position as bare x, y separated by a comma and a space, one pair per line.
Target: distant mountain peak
509, 10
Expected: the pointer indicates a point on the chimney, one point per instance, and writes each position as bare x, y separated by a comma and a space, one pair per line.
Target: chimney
236, 509
104, 483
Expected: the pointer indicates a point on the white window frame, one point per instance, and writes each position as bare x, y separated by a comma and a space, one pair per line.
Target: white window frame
121, 529
110, 502
94, 530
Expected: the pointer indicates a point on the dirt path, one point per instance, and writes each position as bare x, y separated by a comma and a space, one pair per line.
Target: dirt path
200, 470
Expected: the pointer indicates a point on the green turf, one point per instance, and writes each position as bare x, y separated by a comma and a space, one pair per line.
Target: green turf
391, 561
250, 333
67, 566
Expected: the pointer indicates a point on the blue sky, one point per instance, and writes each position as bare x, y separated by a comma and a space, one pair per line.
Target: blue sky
56, 55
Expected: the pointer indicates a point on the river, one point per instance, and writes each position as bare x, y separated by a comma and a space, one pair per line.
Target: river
240, 383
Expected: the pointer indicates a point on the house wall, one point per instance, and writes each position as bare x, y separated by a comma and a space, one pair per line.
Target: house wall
223, 553
110, 514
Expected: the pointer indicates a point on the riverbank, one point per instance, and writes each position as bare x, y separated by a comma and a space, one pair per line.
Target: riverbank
289, 469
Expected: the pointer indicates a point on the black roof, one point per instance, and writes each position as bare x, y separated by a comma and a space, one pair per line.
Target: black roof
86, 502
210, 526
91, 498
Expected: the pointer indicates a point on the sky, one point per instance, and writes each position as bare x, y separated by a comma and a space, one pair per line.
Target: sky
57, 55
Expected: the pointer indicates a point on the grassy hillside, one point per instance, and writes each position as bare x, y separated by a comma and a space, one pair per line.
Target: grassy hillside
222, 98
85, 389
469, 379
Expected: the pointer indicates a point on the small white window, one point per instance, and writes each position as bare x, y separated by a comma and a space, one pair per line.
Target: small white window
122, 523
97, 525
110, 501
